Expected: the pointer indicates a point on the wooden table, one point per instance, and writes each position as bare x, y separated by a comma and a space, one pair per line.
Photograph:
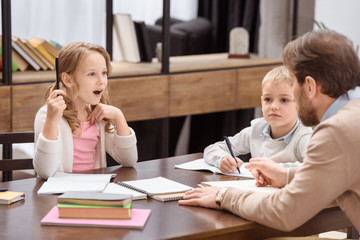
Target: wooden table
21, 220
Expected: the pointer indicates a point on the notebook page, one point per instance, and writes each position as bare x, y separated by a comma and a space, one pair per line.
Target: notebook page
61, 187
158, 185
200, 164
73, 177
116, 188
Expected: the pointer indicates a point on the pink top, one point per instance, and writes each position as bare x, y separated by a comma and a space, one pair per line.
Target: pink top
85, 146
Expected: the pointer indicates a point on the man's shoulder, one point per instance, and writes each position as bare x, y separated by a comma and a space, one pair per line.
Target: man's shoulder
345, 121
350, 113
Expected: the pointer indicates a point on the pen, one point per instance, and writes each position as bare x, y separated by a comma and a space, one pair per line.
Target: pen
3, 189
57, 73
231, 152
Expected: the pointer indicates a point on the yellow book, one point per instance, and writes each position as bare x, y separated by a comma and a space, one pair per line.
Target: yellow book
9, 197
38, 44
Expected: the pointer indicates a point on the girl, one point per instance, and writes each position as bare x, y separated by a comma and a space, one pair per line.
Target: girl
76, 127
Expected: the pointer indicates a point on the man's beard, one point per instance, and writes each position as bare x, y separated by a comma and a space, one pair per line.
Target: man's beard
306, 111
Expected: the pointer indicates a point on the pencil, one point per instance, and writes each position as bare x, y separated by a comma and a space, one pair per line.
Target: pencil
231, 152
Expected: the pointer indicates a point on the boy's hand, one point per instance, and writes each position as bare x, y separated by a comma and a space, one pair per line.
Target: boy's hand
228, 164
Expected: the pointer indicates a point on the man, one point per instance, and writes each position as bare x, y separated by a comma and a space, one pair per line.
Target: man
326, 74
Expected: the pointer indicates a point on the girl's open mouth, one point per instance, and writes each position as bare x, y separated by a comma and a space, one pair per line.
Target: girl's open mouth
97, 92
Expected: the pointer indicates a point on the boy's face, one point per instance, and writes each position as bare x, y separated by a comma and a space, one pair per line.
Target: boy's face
278, 105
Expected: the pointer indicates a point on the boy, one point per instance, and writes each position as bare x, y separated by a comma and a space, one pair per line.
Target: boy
279, 135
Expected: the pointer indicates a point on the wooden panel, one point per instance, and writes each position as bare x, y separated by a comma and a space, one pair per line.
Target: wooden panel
5, 118
216, 61
26, 101
248, 90
140, 98
204, 92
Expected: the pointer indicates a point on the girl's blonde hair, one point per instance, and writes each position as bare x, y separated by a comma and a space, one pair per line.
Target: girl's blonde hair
70, 57
277, 75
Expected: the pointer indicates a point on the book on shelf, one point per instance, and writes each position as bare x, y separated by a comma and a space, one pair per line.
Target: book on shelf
158, 188
9, 197
200, 164
54, 52
14, 67
64, 182
94, 198
143, 40
30, 52
56, 44
19, 61
94, 211
40, 45
246, 185
45, 63
23, 52
138, 220
125, 38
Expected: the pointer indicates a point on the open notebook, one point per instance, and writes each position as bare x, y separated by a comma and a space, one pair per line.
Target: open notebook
200, 164
64, 182
159, 188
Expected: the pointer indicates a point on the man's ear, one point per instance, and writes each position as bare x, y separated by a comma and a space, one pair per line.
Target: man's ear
311, 87
67, 80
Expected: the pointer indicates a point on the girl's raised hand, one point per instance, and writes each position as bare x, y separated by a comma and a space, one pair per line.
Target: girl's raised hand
55, 106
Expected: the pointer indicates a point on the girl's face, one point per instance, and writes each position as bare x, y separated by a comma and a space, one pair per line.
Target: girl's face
278, 105
91, 76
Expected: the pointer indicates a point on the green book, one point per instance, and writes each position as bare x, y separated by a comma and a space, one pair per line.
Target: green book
14, 68
95, 198
91, 211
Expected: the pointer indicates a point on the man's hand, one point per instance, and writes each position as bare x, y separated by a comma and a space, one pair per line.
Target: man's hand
204, 197
267, 172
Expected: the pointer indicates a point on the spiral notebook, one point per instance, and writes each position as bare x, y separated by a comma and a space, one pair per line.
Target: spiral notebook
159, 188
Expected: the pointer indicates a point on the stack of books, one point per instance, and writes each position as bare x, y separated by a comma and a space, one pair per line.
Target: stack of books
94, 205
96, 209
33, 54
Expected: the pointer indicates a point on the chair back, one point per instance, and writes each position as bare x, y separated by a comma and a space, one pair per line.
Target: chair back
8, 164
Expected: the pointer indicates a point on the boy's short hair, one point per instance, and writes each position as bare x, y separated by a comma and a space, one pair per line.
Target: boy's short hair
277, 75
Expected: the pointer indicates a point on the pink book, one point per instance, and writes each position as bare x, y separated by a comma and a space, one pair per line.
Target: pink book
138, 220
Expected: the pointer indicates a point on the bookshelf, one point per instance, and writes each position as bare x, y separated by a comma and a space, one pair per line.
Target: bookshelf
178, 86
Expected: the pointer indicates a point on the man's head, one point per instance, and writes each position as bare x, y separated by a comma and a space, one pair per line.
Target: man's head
326, 60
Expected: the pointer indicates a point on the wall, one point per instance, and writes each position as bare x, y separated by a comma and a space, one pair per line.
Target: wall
341, 16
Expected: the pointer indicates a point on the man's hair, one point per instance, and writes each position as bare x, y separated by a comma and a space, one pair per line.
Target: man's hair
328, 57
277, 75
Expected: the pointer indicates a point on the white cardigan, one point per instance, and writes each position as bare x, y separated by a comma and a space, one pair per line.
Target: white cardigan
57, 155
